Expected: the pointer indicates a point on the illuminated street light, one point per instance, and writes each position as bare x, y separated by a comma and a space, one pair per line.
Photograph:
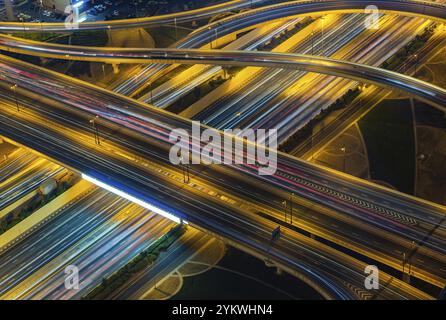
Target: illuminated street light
343, 149
14, 88
312, 43
322, 36
176, 29
151, 93
284, 202
416, 62
95, 130
185, 169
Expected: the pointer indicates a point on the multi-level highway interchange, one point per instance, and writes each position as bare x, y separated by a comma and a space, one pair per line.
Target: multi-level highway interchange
109, 142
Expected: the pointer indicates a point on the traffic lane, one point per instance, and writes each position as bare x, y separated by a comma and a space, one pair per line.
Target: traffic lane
22, 184
104, 257
20, 262
225, 227
16, 163
220, 180
178, 203
158, 122
182, 250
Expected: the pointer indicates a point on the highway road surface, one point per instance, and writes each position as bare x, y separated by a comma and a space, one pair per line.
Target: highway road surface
85, 167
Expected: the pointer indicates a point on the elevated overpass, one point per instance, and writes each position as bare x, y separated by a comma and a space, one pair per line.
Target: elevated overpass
419, 8
426, 92
154, 21
56, 128
135, 128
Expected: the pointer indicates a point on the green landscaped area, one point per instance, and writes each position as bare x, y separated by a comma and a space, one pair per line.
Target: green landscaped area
137, 264
389, 137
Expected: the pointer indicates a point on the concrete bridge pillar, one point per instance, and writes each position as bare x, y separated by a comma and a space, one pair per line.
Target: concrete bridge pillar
115, 68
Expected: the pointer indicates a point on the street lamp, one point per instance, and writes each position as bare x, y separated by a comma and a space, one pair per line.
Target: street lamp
416, 62
210, 42
23, 24
312, 43
95, 130
216, 37
404, 261
343, 149
185, 169
210, 37
285, 206
151, 93
322, 39
110, 35
176, 29
14, 88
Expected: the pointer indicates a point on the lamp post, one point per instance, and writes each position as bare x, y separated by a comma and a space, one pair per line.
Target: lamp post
14, 88
343, 149
110, 35
322, 39
312, 43
95, 130
185, 169
23, 25
176, 29
416, 63
285, 208
404, 261
151, 93
210, 38
216, 37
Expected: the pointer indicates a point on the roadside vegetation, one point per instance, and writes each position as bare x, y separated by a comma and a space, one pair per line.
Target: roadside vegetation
35, 203
139, 263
